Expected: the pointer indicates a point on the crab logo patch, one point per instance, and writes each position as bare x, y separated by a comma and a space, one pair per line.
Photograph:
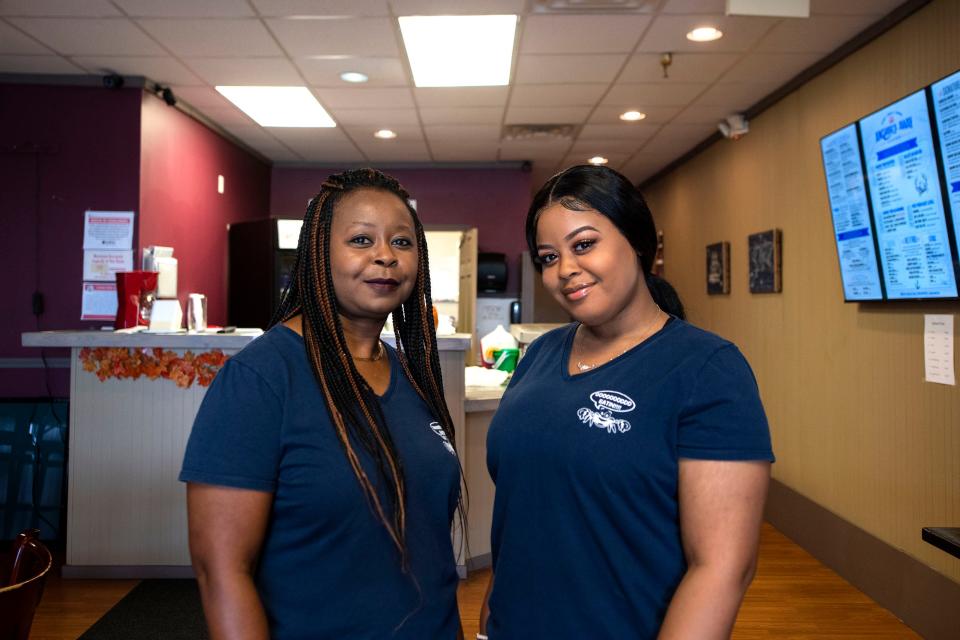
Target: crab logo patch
607, 402
437, 429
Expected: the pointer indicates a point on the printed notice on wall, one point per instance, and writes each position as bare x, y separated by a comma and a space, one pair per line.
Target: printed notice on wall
938, 348
102, 265
99, 301
108, 230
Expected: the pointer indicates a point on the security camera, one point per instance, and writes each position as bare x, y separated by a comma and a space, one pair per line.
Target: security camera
168, 97
734, 126
526, 166
113, 81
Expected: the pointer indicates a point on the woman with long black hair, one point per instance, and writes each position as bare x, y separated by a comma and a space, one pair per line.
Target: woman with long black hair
630, 452
322, 478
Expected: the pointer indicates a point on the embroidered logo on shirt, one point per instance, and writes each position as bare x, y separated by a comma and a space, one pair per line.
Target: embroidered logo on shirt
607, 403
437, 429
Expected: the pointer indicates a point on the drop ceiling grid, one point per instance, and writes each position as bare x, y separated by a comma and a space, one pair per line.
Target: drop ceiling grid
584, 69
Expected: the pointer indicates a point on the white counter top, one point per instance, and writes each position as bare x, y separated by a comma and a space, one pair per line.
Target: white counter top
479, 399
235, 340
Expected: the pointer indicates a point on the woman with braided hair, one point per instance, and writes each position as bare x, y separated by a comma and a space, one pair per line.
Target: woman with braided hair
322, 478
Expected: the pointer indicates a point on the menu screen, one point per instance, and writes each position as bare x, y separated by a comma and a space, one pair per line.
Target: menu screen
907, 204
851, 215
946, 107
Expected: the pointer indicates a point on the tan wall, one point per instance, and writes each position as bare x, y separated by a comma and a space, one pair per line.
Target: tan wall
855, 427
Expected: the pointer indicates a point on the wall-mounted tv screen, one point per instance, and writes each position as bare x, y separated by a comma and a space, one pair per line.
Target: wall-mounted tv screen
945, 96
852, 226
898, 150
893, 180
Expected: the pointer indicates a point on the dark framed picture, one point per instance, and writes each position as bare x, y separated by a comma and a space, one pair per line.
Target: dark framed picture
718, 268
765, 260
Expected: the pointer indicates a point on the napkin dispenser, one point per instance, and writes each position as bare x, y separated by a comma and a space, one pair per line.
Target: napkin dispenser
161, 260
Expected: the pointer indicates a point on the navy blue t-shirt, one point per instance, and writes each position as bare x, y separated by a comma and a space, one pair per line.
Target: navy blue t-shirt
328, 568
586, 536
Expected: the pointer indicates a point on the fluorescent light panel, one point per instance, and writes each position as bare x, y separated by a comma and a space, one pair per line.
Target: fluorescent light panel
459, 51
279, 106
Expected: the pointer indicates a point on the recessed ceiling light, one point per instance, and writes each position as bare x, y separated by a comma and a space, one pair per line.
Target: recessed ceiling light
385, 134
598, 160
353, 76
279, 106
632, 116
459, 51
705, 34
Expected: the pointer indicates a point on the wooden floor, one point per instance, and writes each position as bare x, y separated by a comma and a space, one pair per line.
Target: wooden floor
793, 597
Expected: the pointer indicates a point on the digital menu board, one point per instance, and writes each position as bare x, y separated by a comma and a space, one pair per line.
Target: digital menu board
908, 210
946, 109
852, 227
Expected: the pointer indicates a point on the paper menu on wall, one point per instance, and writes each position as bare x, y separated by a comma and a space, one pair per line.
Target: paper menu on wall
99, 301
938, 348
102, 265
108, 230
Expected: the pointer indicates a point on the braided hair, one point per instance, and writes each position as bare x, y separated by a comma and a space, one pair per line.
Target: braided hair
353, 407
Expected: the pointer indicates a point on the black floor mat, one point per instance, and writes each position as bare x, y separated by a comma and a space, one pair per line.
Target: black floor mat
154, 610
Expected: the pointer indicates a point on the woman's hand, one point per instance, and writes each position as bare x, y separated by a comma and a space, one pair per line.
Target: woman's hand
227, 527
721, 509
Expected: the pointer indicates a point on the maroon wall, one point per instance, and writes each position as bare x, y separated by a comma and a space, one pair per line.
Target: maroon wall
493, 200
91, 158
179, 203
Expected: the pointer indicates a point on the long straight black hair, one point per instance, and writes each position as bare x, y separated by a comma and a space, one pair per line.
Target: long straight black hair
354, 409
588, 187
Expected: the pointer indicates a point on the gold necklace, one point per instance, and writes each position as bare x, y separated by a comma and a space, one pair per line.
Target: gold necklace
372, 358
582, 366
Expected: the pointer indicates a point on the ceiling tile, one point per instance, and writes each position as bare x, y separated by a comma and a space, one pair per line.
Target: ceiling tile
642, 166
611, 115
280, 156
819, 34
62, 8
445, 7
770, 67
246, 71
464, 151
652, 94
675, 140
163, 70
623, 131
101, 37
669, 33
14, 42
534, 69
546, 115
372, 37
255, 135
395, 150
593, 146
363, 134
557, 95
213, 37
318, 144
371, 98
325, 72
718, 7
736, 96
271, 8
582, 33
453, 133
200, 96
686, 67
614, 158
376, 118
37, 64
186, 8
461, 97
461, 115
702, 115
331, 154
224, 116
550, 150
853, 7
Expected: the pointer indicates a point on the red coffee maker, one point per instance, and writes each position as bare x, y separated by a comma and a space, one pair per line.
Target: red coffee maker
135, 293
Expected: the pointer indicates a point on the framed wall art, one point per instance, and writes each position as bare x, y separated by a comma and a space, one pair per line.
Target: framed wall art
765, 261
718, 268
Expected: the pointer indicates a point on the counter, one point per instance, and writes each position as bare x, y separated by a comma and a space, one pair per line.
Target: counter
133, 398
